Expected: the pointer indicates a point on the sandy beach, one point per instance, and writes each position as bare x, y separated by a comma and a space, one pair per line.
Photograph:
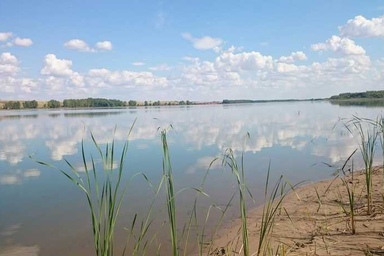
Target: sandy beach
314, 223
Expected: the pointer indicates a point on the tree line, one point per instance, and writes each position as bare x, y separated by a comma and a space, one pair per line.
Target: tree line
18, 104
88, 103
93, 103
359, 95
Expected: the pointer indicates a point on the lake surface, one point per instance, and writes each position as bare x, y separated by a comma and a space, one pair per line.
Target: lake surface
43, 213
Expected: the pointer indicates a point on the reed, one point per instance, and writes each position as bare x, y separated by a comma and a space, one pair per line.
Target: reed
238, 171
272, 205
368, 135
170, 193
103, 190
350, 187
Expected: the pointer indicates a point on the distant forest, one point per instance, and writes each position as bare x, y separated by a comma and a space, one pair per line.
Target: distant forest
359, 95
86, 103
92, 103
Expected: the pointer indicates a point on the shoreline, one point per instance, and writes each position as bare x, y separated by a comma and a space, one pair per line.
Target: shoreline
311, 221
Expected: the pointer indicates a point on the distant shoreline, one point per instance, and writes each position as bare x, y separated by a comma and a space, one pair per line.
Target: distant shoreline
19, 104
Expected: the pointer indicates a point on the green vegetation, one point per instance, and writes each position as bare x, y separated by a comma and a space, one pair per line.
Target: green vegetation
359, 95
367, 132
350, 187
92, 103
238, 172
365, 102
53, 104
12, 105
30, 104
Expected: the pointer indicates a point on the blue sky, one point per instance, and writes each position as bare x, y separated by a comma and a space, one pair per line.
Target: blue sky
195, 50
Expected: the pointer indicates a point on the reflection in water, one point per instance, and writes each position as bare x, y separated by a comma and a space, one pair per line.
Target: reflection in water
18, 116
361, 103
17, 177
92, 114
297, 137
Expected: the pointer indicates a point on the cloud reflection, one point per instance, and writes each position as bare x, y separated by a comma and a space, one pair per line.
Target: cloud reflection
302, 126
18, 177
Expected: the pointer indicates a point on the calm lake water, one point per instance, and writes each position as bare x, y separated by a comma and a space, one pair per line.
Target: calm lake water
43, 213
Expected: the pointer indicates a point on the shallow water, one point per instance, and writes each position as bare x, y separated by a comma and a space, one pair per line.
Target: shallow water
45, 214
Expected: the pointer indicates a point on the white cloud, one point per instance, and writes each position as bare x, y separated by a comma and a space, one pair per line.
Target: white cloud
8, 64
161, 67
82, 46
204, 43
128, 79
293, 57
78, 45
5, 36
25, 42
362, 27
138, 63
286, 68
230, 61
344, 46
104, 45
56, 67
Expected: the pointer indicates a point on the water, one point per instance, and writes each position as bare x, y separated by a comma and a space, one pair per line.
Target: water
43, 213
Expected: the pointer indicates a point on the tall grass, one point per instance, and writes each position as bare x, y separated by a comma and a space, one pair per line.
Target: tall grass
272, 205
350, 187
170, 193
103, 191
368, 136
238, 171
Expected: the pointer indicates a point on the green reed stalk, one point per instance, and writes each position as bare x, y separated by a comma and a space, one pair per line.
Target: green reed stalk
170, 193
270, 209
350, 191
368, 137
230, 160
103, 192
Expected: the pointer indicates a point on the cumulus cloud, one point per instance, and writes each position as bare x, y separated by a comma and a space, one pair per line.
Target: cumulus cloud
362, 27
5, 36
78, 45
25, 42
106, 78
104, 45
295, 56
341, 45
56, 67
8, 64
230, 61
82, 46
204, 43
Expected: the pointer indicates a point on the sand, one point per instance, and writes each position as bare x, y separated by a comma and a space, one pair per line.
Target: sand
309, 226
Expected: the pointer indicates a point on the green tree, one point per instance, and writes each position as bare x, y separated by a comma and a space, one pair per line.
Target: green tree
132, 103
53, 104
30, 104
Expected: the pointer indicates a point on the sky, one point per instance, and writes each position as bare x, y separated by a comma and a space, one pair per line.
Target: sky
198, 50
